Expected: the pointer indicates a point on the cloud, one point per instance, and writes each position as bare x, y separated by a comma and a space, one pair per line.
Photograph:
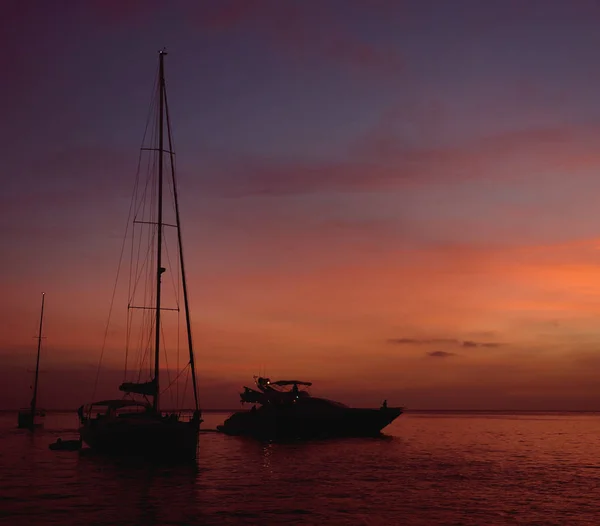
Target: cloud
468, 343
313, 32
379, 161
441, 354
426, 341
72, 174
53, 189
430, 341
482, 344
237, 176
557, 141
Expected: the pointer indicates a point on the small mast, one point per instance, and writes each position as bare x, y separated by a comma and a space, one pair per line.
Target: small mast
37, 363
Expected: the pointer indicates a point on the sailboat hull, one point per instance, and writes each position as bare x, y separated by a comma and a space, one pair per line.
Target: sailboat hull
27, 420
159, 438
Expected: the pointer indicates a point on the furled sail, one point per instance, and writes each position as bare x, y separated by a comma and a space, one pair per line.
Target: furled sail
144, 388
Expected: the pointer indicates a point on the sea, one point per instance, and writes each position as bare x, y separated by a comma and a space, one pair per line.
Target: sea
429, 468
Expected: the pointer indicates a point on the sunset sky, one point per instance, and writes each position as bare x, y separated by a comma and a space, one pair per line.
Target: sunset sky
392, 199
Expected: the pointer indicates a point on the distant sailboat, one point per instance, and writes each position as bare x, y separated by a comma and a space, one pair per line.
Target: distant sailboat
31, 417
135, 424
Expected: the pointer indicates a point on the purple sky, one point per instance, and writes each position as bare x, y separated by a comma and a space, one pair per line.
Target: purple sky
352, 172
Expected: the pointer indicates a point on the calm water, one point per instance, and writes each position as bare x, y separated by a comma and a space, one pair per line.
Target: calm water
432, 469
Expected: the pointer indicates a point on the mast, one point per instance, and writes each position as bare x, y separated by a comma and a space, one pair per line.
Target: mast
159, 268
182, 266
37, 364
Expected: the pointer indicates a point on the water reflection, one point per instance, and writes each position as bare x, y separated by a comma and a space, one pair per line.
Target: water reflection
130, 491
438, 470
267, 452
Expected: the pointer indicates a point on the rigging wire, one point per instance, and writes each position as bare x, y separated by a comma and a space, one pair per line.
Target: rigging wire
132, 274
186, 368
144, 268
129, 215
190, 344
145, 255
187, 378
175, 279
162, 333
178, 329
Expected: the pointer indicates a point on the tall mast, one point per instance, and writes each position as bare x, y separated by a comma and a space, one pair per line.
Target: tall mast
182, 266
37, 364
159, 269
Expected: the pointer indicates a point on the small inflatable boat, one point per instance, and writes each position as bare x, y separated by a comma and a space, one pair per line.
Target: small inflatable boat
65, 445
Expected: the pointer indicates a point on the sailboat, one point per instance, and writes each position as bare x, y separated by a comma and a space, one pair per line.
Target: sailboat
135, 425
30, 417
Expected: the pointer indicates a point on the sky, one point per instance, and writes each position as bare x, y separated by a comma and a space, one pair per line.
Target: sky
391, 199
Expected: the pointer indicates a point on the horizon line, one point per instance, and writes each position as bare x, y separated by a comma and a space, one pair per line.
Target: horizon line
405, 410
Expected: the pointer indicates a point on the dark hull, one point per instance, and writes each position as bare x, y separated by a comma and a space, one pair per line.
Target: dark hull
296, 423
65, 445
151, 438
26, 420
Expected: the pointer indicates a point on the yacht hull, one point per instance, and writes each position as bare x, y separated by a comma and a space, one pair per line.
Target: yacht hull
296, 423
